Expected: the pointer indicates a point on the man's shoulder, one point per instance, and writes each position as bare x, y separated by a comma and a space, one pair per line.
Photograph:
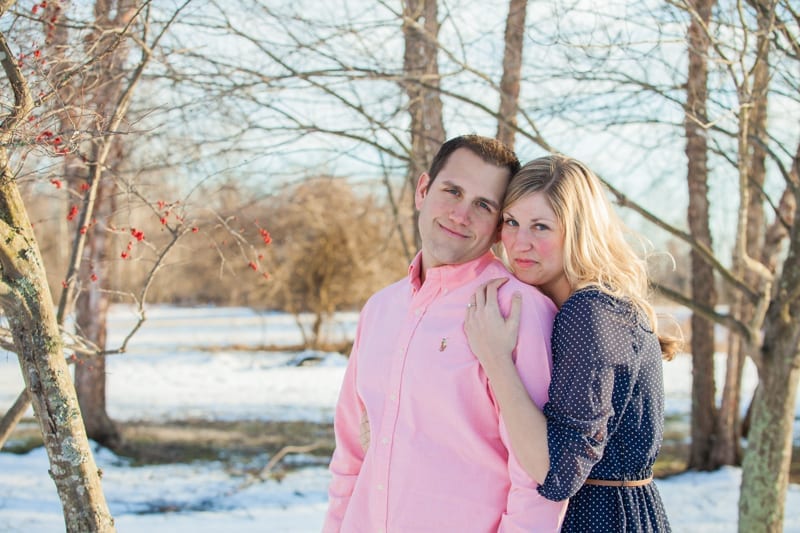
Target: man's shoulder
534, 302
498, 270
388, 293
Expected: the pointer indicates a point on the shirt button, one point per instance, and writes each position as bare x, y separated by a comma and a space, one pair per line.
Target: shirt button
380, 487
393, 397
417, 312
385, 440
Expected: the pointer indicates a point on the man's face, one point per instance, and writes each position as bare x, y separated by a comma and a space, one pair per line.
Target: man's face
459, 212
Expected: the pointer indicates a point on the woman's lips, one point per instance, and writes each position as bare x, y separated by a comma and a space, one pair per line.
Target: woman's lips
524, 263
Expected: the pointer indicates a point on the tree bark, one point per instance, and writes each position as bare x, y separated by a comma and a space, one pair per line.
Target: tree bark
421, 75
703, 413
512, 72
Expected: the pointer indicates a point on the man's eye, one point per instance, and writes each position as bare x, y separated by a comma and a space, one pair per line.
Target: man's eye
485, 205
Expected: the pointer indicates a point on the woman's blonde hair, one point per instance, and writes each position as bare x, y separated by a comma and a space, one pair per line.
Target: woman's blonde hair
595, 249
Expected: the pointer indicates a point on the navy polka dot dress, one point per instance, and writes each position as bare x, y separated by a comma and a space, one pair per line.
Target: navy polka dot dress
605, 415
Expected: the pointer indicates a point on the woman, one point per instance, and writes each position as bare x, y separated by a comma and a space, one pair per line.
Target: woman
596, 439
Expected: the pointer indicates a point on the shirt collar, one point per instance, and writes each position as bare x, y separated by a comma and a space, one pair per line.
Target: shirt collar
448, 275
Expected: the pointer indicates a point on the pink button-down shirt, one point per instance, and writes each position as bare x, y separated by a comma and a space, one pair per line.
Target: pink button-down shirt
438, 455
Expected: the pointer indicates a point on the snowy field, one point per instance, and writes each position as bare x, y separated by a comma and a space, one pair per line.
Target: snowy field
167, 376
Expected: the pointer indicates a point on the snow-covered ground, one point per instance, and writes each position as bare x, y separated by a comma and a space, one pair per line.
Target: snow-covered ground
167, 376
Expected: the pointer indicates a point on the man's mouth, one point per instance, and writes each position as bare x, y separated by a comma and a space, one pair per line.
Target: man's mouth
452, 232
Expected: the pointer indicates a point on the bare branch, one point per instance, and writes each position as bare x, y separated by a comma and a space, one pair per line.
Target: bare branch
727, 320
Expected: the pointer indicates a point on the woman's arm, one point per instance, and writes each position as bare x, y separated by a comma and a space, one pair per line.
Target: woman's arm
492, 339
589, 335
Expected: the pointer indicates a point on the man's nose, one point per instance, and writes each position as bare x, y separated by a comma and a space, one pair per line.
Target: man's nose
460, 213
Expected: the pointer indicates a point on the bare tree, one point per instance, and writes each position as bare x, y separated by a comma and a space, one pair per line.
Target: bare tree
765, 475
703, 418
26, 299
342, 256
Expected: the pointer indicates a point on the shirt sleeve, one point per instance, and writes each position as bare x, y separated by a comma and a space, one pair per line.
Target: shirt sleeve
580, 404
526, 509
349, 452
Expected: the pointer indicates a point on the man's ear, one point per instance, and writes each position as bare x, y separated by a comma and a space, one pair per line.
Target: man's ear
421, 192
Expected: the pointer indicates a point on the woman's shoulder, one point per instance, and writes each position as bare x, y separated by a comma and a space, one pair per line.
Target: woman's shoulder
591, 300
591, 304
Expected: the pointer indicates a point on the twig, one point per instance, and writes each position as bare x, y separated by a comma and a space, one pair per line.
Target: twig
266, 472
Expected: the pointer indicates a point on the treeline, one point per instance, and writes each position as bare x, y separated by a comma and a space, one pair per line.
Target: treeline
320, 245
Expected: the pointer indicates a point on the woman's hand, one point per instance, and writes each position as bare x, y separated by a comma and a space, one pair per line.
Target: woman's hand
492, 337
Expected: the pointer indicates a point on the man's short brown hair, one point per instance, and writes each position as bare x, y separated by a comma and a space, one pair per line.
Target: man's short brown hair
490, 150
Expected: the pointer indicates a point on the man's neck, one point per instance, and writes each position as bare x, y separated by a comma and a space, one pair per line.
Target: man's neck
424, 269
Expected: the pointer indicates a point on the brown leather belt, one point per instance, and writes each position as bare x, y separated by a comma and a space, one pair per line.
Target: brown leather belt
619, 482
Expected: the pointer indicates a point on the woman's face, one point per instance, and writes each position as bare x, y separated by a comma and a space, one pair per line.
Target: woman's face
534, 241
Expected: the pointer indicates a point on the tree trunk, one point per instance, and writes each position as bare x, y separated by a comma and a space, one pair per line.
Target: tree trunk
727, 449
27, 302
765, 471
421, 74
92, 302
727, 444
512, 69
703, 289
91, 317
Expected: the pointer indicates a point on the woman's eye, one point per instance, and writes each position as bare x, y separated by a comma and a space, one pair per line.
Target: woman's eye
510, 222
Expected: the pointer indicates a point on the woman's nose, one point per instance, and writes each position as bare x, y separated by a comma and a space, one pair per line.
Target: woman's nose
522, 242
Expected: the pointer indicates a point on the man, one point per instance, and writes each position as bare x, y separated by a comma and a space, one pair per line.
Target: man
420, 446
